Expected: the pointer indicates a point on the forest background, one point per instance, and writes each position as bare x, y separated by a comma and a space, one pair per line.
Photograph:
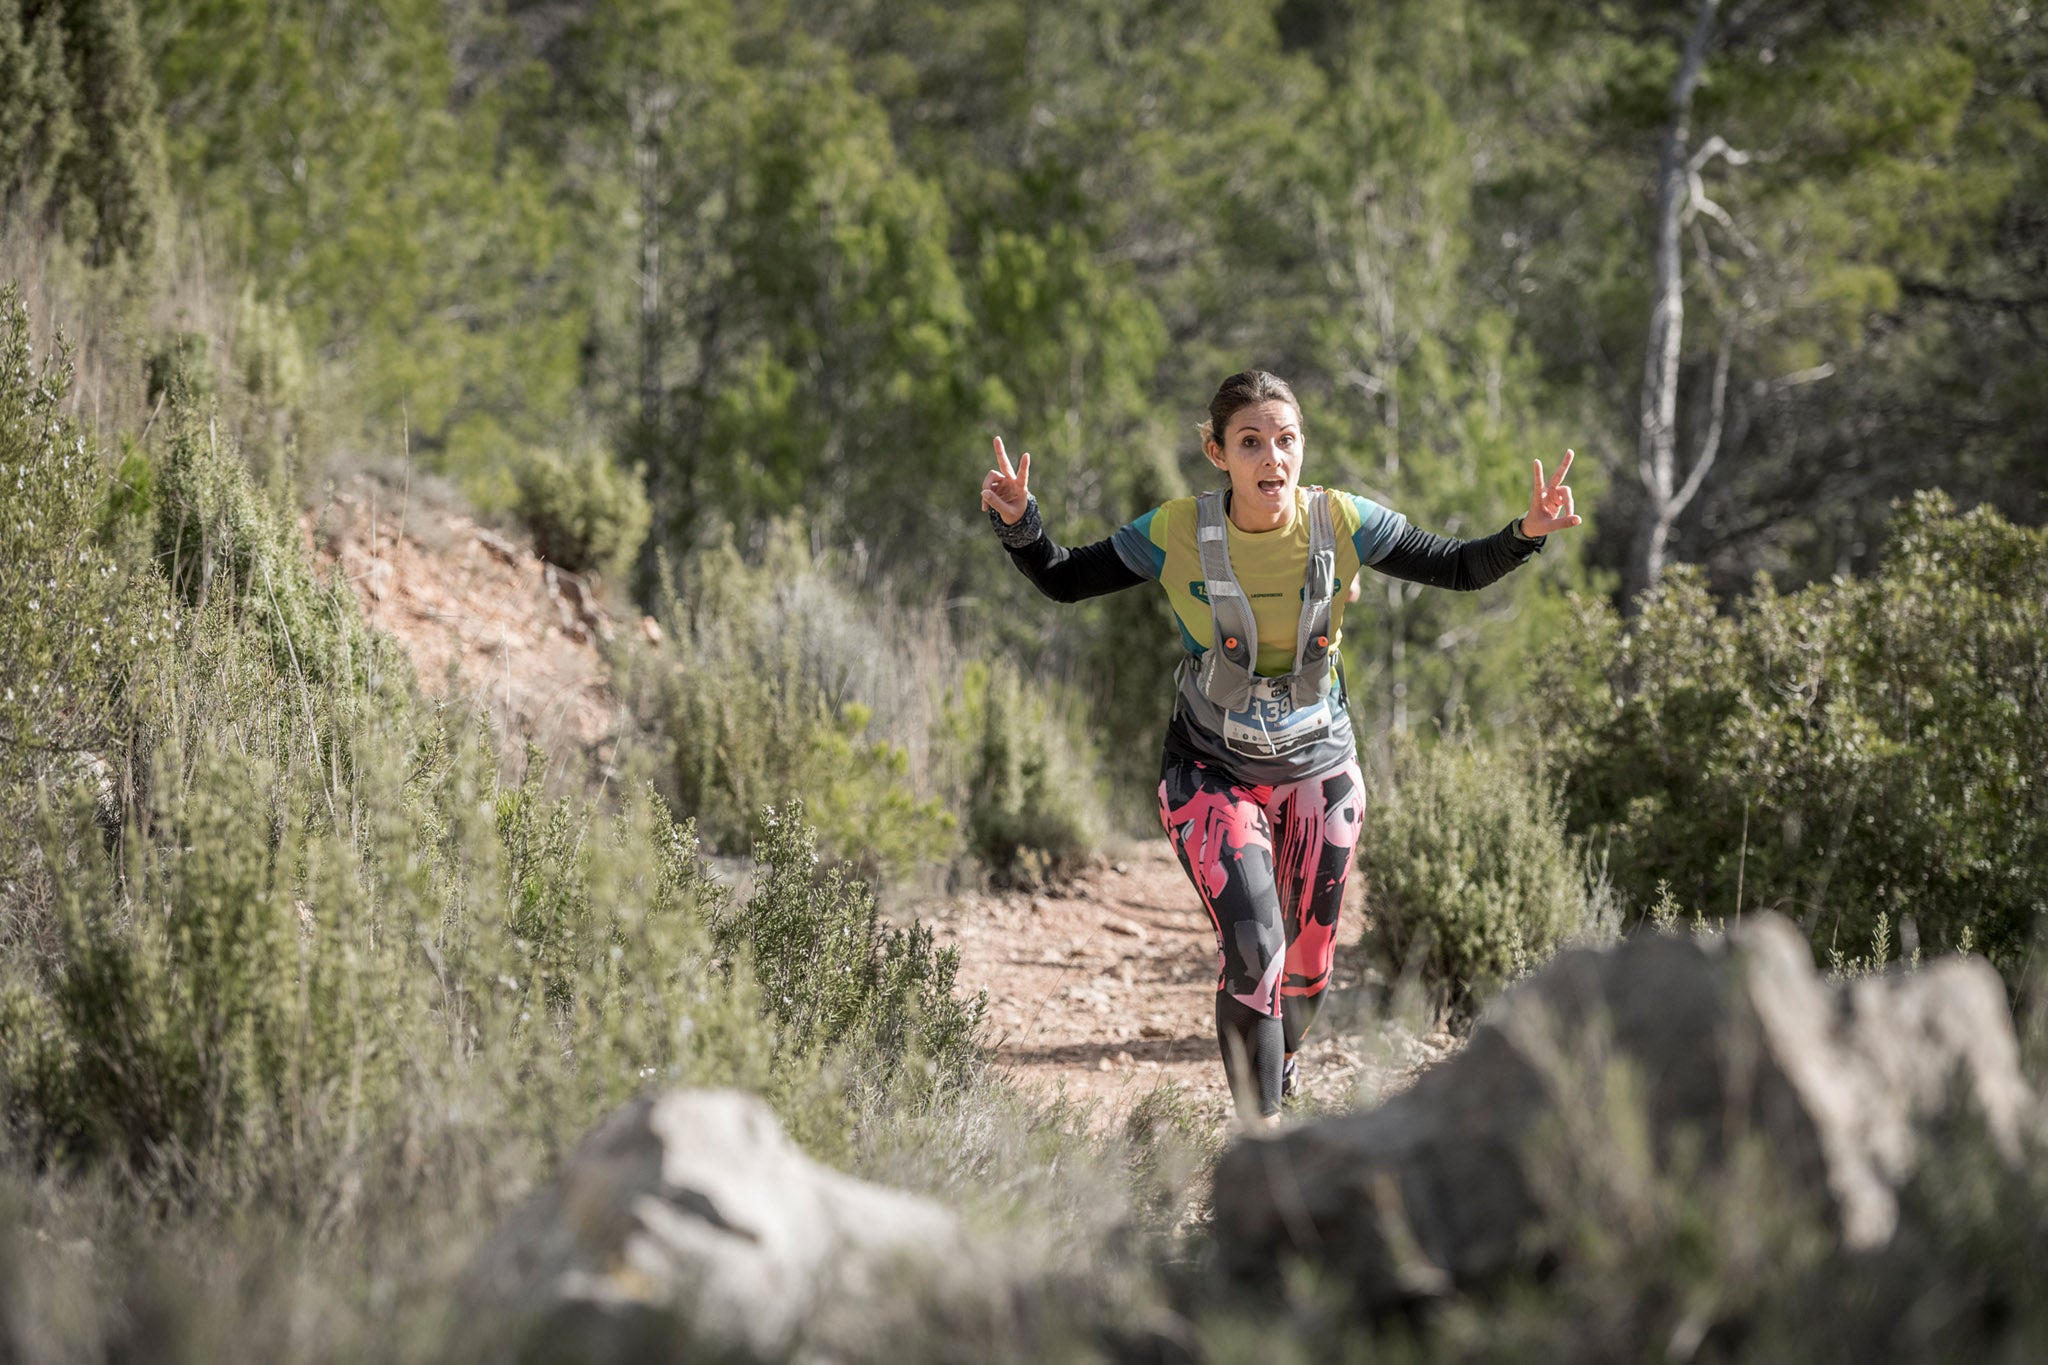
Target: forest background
725, 303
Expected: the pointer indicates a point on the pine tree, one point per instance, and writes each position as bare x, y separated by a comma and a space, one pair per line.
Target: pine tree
115, 167
37, 129
80, 138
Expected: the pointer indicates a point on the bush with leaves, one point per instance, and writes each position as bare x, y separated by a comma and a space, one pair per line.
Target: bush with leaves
77, 631
763, 703
833, 978
1471, 878
1034, 808
1864, 747
588, 513
259, 1006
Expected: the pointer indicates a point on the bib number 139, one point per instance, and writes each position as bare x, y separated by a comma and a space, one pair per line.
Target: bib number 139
1270, 725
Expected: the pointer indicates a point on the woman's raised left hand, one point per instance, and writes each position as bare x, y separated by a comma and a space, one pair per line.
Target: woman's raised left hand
1550, 504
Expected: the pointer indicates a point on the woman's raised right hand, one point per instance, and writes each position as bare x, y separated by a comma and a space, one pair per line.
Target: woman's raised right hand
1005, 491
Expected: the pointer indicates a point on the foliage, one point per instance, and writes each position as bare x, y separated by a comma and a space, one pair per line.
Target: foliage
222, 546
503, 232
834, 980
587, 514
1861, 748
77, 634
1472, 880
1027, 795
80, 135
331, 922
1843, 258
787, 682
420, 249
760, 706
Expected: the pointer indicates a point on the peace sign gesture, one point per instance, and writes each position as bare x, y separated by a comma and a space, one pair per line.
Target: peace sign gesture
1550, 504
1005, 490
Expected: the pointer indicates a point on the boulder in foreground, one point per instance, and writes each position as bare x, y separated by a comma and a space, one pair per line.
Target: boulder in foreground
688, 1222
1725, 1043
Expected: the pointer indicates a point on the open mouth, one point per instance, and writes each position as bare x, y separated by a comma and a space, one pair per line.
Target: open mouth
1272, 487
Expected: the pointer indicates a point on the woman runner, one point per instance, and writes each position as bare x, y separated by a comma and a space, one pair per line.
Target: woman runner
1259, 788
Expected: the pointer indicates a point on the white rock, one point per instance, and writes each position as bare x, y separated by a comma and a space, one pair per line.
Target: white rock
694, 1209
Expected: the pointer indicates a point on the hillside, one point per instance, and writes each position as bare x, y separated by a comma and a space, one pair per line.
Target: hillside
1099, 985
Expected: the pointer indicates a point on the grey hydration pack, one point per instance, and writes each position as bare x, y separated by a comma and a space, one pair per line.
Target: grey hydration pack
1225, 676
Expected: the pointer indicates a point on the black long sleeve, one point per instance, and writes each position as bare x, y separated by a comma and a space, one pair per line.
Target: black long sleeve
1061, 573
1460, 565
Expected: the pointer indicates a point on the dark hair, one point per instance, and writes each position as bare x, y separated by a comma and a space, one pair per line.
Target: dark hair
1240, 391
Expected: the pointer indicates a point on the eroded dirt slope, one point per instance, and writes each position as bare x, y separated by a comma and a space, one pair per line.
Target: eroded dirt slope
480, 615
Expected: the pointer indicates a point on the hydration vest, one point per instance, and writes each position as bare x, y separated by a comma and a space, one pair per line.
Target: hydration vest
1224, 676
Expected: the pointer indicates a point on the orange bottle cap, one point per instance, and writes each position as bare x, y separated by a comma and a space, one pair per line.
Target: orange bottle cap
1230, 642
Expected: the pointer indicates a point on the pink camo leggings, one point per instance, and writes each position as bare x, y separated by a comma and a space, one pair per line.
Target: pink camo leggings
1270, 865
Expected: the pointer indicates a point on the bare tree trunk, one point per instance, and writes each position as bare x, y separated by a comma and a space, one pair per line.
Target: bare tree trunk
1657, 437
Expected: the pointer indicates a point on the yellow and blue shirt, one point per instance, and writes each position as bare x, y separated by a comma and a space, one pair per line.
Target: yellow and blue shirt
1161, 546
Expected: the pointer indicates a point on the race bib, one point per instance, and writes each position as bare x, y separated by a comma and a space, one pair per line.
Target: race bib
1270, 724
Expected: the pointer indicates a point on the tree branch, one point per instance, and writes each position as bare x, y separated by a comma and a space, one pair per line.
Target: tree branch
1710, 447
1697, 200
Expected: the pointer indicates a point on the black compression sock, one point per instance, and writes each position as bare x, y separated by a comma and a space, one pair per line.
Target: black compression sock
1253, 1046
1299, 1012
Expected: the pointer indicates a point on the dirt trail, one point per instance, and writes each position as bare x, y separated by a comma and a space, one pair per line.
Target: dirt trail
1107, 987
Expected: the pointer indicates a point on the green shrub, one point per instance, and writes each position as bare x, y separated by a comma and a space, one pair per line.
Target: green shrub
1033, 808
833, 978
1471, 879
180, 363
223, 545
335, 948
587, 513
263, 1002
743, 740
785, 681
76, 630
761, 704
1861, 748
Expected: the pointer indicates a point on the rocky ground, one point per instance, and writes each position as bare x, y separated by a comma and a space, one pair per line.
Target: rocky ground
1103, 986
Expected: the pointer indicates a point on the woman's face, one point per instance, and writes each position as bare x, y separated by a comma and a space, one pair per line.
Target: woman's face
1260, 449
